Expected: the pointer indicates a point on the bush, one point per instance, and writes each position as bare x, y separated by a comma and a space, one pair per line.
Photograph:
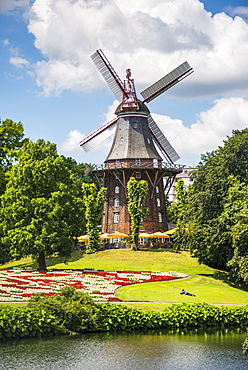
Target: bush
26, 322
117, 317
74, 311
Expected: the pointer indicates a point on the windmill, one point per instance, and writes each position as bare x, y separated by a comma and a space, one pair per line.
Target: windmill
136, 149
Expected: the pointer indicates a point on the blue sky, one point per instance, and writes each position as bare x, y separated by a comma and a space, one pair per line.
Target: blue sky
49, 83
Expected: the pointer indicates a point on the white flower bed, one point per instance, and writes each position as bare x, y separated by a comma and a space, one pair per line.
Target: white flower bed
16, 285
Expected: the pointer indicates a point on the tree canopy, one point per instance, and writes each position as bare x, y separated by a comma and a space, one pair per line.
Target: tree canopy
216, 210
11, 139
41, 208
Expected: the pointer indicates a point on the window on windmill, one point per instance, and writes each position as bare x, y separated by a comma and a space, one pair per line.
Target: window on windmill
158, 202
116, 202
117, 190
160, 218
121, 140
137, 162
157, 189
155, 162
116, 218
117, 163
135, 125
138, 175
148, 140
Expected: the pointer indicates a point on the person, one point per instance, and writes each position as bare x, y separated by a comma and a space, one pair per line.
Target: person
186, 293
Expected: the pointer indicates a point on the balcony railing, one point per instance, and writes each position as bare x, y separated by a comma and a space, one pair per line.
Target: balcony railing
145, 165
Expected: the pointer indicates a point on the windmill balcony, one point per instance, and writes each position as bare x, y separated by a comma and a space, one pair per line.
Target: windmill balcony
140, 165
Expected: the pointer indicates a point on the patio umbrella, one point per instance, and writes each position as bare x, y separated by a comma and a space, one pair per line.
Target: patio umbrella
103, 236
143, 235
83, 238
158, 234
117, 234
169, 232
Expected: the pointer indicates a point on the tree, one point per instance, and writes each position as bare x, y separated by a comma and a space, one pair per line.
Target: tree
93, 204
81, 171
11, 139
235, 216
176, 210
210, 237
137, 192
41, 207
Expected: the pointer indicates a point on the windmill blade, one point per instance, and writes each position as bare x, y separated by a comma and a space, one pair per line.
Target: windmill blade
162, 142
98, 136
108, 73
166, 82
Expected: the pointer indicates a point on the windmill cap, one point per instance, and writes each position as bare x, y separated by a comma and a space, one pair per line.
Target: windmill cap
142, 108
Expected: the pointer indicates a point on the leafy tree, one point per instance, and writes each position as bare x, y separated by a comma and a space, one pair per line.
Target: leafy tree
81, 171
210, 237
137, 192
11, 139
41, 207
235, 216
176, 210
93, 203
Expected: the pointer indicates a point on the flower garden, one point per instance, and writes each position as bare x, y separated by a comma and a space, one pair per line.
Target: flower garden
19, 285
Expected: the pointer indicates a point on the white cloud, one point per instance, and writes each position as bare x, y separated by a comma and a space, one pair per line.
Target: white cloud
150, 37
19, 62
5, 42
72, 141
211, 128
10, 5
206, 134
74, 136
241, 11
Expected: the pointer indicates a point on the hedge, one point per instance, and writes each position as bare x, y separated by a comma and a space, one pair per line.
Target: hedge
67, 313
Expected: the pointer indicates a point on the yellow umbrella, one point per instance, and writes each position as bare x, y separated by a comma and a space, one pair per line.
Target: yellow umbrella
83, 238
117, 234
169, 232
143, 235
158, 235
103, 236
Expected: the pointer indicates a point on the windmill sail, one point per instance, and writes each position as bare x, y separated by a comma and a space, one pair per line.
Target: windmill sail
98, 136
162, 142
108, 73
166, 82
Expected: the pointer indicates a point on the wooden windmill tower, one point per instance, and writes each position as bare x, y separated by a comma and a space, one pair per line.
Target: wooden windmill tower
134, 149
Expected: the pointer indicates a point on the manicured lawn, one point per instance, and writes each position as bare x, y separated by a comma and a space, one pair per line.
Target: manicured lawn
123, 259
208, 284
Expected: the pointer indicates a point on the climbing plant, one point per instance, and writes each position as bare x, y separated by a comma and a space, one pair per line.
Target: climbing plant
136, 193
93, 203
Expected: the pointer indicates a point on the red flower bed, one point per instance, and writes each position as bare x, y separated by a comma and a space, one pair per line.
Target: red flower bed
100, 284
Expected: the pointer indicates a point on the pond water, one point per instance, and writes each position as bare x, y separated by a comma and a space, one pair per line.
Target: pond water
195, 350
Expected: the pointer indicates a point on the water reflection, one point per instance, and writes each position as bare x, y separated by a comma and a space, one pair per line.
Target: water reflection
194, 350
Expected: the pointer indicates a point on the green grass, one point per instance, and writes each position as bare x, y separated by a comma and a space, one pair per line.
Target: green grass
208, 284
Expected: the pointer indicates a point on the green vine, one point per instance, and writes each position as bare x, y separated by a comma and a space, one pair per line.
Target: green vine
93, 203
137, 192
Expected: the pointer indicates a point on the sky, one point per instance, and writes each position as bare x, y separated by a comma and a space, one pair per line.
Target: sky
50, 84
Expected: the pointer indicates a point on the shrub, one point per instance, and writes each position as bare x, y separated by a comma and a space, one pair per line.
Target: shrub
73, 309
26, 322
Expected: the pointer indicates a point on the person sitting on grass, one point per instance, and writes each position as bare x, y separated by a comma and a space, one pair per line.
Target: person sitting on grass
186, 293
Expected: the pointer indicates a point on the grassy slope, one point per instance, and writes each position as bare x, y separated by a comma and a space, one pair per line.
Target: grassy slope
208, 284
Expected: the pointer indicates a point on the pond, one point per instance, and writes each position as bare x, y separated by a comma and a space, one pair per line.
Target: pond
194, 350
